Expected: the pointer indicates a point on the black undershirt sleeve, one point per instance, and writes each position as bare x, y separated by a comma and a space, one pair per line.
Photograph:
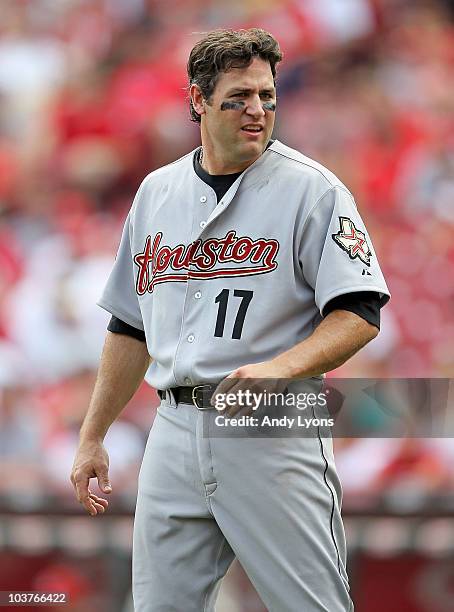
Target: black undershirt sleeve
365, 304
117, 326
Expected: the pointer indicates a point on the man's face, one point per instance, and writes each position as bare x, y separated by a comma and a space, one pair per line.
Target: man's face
239, 119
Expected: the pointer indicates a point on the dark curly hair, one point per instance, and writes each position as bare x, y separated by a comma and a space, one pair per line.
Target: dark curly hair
221, 50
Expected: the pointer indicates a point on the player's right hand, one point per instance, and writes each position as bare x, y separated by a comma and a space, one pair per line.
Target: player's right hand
91, 461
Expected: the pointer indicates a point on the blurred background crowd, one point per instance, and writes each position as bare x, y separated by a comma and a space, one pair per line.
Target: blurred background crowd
93, 97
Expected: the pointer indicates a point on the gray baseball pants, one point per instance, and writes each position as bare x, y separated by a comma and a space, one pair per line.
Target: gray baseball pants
271, 502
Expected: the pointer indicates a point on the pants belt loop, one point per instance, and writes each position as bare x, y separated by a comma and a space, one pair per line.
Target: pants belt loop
170, 397
167, 396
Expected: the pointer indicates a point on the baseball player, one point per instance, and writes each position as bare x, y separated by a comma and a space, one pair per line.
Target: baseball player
242, 260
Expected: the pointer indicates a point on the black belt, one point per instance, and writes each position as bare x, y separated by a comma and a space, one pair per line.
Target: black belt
199, 396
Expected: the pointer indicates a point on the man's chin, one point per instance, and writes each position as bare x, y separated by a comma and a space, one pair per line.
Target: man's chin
249, 151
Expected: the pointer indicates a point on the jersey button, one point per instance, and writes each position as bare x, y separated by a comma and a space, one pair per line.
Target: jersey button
198, 295
187, 381
202, 224
203, 199
191, 338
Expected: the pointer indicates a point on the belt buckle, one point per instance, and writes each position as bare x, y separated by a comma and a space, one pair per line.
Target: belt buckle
194, 396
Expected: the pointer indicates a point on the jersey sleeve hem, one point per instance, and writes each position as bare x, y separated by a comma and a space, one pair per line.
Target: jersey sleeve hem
120, 314
383, 295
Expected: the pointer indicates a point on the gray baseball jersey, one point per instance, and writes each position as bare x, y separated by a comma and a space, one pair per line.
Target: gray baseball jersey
219, 285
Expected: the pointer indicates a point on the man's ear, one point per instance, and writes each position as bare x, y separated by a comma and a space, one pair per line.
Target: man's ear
198, 101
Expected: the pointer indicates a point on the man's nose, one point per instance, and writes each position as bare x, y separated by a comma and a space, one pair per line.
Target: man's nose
254, 107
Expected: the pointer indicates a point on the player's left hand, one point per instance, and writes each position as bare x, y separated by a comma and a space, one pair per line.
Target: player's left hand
265, 377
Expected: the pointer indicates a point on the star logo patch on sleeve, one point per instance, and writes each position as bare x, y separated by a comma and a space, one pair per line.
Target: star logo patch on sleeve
352, 240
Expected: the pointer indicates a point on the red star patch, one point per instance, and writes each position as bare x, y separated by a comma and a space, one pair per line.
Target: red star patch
352, 241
